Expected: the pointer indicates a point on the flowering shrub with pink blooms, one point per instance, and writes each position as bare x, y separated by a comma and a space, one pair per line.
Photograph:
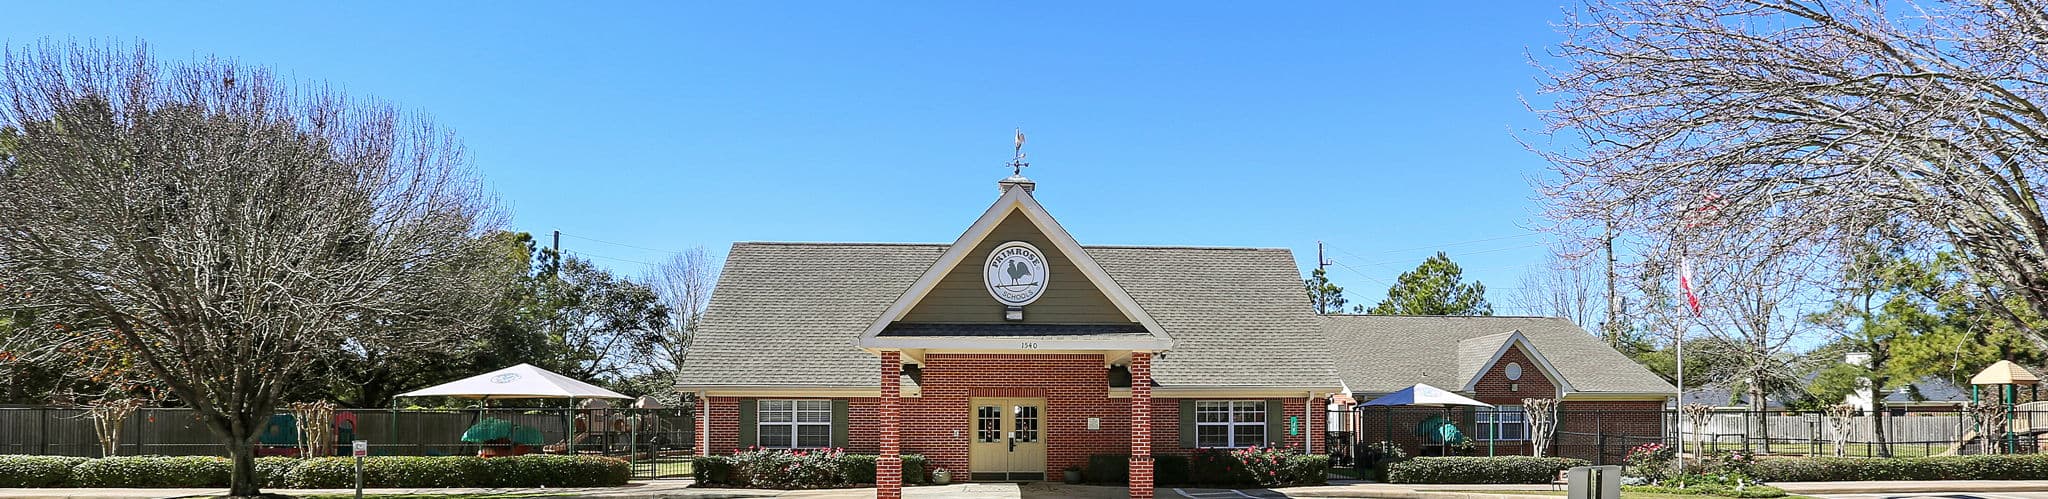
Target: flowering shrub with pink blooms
1264, 466
1651, 461
757, 467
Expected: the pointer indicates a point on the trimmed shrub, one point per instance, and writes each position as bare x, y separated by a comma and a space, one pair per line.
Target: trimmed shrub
37, 471
803, 469
713, 470
273, 472
1834, 469
152, 471
454, 471
1711, 490
1500, 469
1108, 468
1171, 469
1306, 469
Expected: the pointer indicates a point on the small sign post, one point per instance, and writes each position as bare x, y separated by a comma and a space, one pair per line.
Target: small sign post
360, 448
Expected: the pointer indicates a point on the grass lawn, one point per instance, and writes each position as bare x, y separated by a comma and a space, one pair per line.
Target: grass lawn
1624, 494
666, 467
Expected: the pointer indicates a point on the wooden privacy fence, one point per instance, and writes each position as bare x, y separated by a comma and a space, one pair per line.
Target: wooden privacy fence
59, 431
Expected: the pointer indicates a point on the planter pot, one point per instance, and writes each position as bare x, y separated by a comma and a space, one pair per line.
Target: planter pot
942, 477
1073, 476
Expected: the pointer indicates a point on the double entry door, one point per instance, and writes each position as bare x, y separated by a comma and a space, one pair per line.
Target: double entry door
1008, 443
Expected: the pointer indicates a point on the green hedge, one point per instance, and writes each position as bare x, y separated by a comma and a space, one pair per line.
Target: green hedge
773, 469
1108, 468
1501, 469
152, 471
1834, 469
37, 471
332, 472
1712, 490
421, 472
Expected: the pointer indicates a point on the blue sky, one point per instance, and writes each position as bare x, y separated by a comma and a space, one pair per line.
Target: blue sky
1387, 132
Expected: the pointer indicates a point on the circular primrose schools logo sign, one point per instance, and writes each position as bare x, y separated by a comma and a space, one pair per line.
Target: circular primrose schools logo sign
505, 378
1015, 273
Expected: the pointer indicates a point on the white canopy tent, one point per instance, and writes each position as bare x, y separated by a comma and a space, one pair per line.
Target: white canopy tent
517, 382
1422, 395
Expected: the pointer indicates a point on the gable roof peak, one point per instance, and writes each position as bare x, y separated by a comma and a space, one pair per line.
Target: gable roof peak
1017, 180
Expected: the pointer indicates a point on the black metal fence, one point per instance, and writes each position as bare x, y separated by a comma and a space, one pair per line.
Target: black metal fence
658, 442
1605, 436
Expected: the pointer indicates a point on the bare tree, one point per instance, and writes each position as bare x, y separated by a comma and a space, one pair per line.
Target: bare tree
1807, 119
683, 282
1754, 300
226, 228
1542, 423
1563, 287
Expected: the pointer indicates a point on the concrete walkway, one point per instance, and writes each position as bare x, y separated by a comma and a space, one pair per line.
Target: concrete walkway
681, 489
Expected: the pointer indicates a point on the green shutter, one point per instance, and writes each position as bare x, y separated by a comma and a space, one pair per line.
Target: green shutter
839, 423
748, 427
1187, 423
1276, 421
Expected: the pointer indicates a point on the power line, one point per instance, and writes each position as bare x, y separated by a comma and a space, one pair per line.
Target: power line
590, 255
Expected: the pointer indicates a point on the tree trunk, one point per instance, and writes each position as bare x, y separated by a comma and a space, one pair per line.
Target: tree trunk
242, 482
1761, 429
1877, 428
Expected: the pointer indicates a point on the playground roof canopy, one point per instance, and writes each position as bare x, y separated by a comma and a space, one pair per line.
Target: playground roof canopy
517, 382
2005, 372
1424, 396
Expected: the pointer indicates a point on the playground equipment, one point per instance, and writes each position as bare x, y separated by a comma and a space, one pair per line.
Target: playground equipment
2004, 377
498, 437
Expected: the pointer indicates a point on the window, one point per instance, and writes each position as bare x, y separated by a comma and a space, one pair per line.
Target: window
1230, 423
1503, 423
988, 422
1026, 422
795, 424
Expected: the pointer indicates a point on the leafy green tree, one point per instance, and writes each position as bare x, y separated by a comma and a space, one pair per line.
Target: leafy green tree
1436, 287
1326, 296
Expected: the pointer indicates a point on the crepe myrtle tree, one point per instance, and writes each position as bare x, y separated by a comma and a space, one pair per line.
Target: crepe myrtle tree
225, 227
1809, 120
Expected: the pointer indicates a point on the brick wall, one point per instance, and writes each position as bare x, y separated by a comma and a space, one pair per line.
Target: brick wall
1075, 388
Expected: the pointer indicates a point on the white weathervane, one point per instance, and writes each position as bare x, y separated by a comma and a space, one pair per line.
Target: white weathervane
1017, 163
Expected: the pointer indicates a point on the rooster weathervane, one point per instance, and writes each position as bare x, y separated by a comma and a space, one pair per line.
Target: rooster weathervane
1017, 163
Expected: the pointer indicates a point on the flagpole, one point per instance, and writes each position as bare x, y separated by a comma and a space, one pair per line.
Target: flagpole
1679, 406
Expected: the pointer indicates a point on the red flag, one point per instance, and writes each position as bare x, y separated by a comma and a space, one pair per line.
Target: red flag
1685, 283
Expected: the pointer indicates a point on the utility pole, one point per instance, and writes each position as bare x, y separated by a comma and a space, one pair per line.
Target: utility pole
1322, 264
1611, 327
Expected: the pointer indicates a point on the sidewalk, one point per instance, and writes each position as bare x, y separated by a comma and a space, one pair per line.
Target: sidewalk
650, 489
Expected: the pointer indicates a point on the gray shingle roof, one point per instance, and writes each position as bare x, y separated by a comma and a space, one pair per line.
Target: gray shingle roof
1472, 356
787, 314
1380, 354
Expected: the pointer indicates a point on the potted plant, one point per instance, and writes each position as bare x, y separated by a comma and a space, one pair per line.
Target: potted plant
1073, 474
941, 476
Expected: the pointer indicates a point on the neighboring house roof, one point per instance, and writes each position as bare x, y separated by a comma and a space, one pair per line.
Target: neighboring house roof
1384, 353
788, 314
1929, 389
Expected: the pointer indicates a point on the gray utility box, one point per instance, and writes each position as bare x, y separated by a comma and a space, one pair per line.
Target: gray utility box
1594, 482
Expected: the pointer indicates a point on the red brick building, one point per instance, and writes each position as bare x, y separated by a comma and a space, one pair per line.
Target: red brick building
1011, 353
1015, 352
1607, 402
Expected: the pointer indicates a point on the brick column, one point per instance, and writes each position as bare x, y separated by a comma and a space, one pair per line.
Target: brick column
889, 462
703, 424
1141, 425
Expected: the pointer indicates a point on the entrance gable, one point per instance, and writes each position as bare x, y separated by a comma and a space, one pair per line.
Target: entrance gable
1078, 291
1511, 348
961, 297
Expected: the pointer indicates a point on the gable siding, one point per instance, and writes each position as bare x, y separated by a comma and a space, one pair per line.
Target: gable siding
961, 298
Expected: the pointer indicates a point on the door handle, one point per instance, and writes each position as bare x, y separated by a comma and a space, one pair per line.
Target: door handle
1013, 444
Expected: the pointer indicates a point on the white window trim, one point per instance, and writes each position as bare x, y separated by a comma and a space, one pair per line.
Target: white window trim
1490, 423
1230, 428
795, 425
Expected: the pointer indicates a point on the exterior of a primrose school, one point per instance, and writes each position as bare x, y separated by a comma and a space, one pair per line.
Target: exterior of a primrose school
1010, 354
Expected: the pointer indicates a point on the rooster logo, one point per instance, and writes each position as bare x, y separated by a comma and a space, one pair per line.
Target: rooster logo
1016, 273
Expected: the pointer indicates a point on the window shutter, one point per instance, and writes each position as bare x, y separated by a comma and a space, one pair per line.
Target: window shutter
1187, 423
1276, 421
748, 428
839, 425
